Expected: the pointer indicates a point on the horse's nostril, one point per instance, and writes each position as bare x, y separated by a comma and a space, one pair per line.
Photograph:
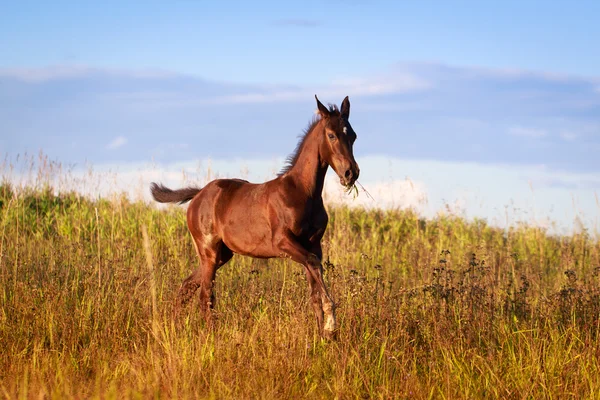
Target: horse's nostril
348, 174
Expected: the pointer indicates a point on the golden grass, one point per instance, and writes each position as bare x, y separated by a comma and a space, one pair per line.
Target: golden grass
441, 308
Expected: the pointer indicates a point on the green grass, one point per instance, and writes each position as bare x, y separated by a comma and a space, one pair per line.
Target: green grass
441, 308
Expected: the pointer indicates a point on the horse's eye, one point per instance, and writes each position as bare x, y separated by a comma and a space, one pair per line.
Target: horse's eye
331, 136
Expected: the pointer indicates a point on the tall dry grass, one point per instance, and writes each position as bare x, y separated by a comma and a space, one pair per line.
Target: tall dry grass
440, 308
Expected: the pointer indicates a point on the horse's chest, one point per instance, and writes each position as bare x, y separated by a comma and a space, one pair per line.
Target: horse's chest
312, 220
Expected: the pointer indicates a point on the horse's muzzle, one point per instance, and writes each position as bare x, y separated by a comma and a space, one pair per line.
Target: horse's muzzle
350, 176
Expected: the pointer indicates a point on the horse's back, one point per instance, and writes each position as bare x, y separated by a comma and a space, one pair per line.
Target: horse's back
218, 194
235, 211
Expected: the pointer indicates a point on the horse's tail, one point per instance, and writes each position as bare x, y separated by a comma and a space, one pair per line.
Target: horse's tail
163, 194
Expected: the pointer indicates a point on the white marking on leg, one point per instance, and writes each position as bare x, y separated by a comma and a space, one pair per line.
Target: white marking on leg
328, 310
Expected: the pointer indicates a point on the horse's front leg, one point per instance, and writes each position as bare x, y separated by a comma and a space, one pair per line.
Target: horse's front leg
325, 311
315, 297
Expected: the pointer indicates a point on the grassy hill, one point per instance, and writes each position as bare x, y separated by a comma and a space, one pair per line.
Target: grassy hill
442, 308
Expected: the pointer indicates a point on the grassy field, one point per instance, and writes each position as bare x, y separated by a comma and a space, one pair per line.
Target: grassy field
441, 308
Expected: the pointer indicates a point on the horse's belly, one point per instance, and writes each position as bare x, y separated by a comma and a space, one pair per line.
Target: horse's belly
249, 236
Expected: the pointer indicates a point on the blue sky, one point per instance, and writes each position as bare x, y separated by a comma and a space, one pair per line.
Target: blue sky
510, 88
300, 42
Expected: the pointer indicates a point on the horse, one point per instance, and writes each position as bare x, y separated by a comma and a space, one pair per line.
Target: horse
281, 218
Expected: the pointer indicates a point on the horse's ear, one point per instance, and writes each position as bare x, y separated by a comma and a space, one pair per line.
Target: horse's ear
345, 111
322, 109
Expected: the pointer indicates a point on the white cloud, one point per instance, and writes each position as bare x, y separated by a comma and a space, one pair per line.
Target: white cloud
117, 142
527, 132
401, 194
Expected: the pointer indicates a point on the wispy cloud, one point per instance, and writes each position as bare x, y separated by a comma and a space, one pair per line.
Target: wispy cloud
117, 142
300, 22
591, 183
469, 114
36, 75
527, 132
549, 178
396, 83
58, 72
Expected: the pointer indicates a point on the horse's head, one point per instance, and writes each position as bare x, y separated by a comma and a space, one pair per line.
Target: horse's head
339, 137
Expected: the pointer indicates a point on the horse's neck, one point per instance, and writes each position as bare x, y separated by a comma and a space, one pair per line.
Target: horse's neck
309, 170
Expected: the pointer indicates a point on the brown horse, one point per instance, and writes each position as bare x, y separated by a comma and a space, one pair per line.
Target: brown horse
283, 217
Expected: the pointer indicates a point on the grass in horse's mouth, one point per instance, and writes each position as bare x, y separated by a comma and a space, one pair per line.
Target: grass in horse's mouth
353, 188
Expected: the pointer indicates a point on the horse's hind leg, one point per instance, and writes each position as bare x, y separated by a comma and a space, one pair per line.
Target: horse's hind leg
187, 290
212, 255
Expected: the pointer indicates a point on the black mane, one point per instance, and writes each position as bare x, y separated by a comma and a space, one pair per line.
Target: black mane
290, 161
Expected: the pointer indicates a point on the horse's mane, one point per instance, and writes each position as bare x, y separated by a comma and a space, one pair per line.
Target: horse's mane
291, 160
